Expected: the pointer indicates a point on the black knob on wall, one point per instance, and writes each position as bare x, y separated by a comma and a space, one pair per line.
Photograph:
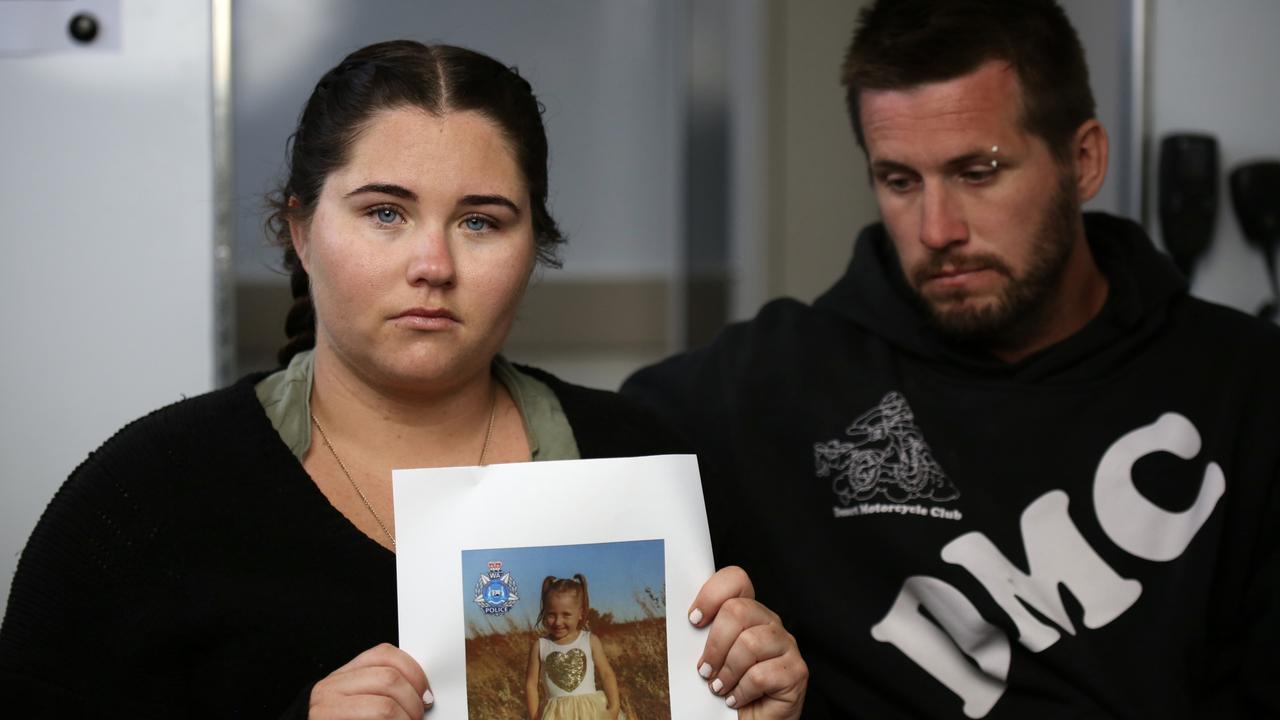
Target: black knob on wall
1188, 196
83, 28
1255, 196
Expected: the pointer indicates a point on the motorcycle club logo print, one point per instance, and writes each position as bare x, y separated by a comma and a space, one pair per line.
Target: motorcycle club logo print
495, 591
885, 456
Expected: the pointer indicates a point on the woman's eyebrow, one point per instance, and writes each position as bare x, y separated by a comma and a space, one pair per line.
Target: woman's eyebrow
386, 189
475, 200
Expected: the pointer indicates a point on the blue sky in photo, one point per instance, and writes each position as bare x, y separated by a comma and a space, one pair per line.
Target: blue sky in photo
615, 573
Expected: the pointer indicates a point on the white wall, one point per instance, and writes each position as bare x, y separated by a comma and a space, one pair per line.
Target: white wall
1110, 37
1215, 68
820, 197
106, 283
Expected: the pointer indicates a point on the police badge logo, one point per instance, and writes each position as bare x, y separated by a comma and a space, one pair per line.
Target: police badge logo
495, 591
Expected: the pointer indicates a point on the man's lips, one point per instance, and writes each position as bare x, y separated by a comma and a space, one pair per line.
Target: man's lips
955, 276
954, 272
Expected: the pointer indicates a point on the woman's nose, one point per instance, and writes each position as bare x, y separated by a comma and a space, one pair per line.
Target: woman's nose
432, 261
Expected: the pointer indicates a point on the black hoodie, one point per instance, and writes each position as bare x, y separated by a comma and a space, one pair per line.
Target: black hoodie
1089, 532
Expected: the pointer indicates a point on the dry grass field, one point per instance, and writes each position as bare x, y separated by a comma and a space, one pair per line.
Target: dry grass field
497, 660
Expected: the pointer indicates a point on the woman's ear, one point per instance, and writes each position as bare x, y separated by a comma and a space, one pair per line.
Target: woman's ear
298, 232
1089, 148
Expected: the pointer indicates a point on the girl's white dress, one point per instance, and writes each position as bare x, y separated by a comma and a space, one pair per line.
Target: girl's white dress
569, 676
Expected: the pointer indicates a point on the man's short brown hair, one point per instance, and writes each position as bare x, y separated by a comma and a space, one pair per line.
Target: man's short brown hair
900, 44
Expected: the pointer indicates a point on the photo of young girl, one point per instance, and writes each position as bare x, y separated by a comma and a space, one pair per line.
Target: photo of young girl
567, 660
569, 632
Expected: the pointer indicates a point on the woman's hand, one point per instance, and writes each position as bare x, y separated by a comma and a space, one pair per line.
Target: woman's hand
749, 658
382, 682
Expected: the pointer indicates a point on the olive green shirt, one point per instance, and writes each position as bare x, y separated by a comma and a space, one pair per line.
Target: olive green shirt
286, 397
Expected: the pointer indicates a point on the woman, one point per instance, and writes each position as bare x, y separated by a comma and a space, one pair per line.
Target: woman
230, 555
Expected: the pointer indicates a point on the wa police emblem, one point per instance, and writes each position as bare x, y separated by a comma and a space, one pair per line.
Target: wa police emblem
495, 591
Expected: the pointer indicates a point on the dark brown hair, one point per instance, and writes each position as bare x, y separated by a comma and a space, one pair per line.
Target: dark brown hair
901, 44
401, 73
552, 584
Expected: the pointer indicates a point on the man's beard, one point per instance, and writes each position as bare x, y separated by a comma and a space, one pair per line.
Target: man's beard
1023, 303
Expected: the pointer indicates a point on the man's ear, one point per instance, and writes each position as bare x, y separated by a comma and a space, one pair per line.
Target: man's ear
298, 233
1089, 148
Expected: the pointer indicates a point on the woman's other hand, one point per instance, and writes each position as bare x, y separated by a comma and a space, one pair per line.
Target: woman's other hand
750, 659
381, 682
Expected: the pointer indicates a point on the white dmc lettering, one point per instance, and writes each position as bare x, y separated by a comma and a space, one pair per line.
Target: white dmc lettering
1134, 522
1057, 554
941, 654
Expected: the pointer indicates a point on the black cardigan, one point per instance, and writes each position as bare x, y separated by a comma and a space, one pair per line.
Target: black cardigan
190, 567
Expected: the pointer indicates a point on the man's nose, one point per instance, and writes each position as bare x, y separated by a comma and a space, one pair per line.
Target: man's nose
942, 221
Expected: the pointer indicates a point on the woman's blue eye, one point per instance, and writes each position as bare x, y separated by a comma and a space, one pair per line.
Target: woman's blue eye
386, 215
476, 224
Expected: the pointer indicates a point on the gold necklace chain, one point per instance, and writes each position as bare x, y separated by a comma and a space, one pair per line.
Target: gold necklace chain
484, 449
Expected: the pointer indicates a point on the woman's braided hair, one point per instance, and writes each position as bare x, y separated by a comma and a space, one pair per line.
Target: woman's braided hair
400, 74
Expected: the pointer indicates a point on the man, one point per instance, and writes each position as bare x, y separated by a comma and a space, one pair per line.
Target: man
1006, 467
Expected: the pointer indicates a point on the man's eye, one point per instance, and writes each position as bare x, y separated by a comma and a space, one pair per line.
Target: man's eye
978, 175
898, 183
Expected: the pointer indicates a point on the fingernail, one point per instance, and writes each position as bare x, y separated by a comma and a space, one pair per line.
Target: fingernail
717, 686
704, 670
731, 701
428, 698
695, 617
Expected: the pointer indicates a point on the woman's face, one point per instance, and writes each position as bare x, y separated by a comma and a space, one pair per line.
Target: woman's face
419, 250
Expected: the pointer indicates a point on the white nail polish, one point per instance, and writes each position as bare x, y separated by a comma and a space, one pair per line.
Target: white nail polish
428, 698
695, 617
731, 701
717, 686
704, 670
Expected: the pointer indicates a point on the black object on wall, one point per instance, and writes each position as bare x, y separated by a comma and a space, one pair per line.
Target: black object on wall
1188, 196
1255, 195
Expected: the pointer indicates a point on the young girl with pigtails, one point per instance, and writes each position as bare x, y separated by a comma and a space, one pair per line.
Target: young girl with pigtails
569, 658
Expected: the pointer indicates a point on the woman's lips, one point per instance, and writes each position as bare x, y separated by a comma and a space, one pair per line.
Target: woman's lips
427, 319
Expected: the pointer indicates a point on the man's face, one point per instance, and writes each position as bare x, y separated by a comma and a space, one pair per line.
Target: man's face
982, 216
